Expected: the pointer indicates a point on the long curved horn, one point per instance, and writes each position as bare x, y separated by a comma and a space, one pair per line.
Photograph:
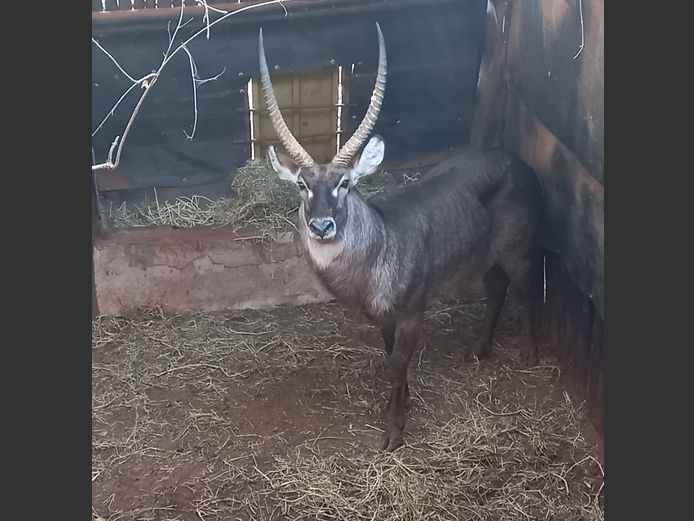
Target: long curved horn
350, 148
295, 150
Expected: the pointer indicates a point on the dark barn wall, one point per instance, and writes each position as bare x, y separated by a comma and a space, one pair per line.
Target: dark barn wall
543, 99
434, 48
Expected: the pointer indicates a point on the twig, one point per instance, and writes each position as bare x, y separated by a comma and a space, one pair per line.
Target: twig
190, 366
566, 485
580, 8
114, 61
206, 16
477, 399
178, 26
110, 150
110, 113
193, 75
211, 8
196, 83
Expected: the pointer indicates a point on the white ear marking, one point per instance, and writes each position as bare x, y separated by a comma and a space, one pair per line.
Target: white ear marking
282, 171
370, 159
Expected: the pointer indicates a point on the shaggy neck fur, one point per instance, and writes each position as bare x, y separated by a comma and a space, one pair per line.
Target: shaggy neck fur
352, 265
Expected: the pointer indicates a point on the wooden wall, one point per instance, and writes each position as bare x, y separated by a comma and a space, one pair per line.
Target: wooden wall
541, 95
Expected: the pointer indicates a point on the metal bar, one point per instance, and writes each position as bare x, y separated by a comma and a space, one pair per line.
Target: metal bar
301, 8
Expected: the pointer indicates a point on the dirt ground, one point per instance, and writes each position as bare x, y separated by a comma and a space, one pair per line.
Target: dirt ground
276, 415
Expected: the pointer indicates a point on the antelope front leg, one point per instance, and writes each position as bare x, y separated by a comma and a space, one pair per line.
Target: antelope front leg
406, 337
388, 334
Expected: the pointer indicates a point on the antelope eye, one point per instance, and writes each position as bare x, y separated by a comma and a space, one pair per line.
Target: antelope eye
301, 185
344, 183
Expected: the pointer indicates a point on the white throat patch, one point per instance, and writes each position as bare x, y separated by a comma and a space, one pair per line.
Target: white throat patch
322, 254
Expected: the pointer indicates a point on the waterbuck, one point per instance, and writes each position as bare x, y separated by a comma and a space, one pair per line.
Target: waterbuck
475, 215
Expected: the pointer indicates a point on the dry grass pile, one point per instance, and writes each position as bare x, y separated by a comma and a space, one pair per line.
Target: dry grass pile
261, 200
477, 465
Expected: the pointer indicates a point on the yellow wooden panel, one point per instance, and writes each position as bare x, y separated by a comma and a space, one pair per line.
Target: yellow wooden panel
308, 101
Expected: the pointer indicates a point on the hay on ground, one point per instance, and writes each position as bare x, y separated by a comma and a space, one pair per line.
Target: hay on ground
485, 441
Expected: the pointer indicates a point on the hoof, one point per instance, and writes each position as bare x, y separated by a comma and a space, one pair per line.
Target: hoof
530, 358
477, 353
391, 442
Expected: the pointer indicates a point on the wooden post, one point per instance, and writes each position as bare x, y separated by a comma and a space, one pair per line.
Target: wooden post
95, 233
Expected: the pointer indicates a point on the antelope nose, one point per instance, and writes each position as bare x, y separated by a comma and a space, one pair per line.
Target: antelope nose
324, 227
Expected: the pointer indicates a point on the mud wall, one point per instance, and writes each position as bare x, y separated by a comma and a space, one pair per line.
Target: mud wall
203, 269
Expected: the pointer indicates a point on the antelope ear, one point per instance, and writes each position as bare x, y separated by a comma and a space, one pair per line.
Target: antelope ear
285, 166
369, 160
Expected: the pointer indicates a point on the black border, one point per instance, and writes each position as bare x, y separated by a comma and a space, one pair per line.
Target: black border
51, 302
645, 443
47, 420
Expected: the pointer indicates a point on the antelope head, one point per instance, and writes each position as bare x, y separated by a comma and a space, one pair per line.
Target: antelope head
324, 188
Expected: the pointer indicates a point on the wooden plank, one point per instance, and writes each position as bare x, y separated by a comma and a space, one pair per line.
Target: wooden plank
565, 93
554, 121
595, 365
554, 304
575, 336
574, 200
488, 120
297, 8
584, 328
552, 307
95, 233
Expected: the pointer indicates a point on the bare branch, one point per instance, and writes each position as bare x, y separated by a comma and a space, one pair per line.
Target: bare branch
110, 151
206, 16
196, 83
178, 26
112, 165
212, 78
193, 74
211, 8
221, 18
142, 81
147, 85
132, 118
286, 13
